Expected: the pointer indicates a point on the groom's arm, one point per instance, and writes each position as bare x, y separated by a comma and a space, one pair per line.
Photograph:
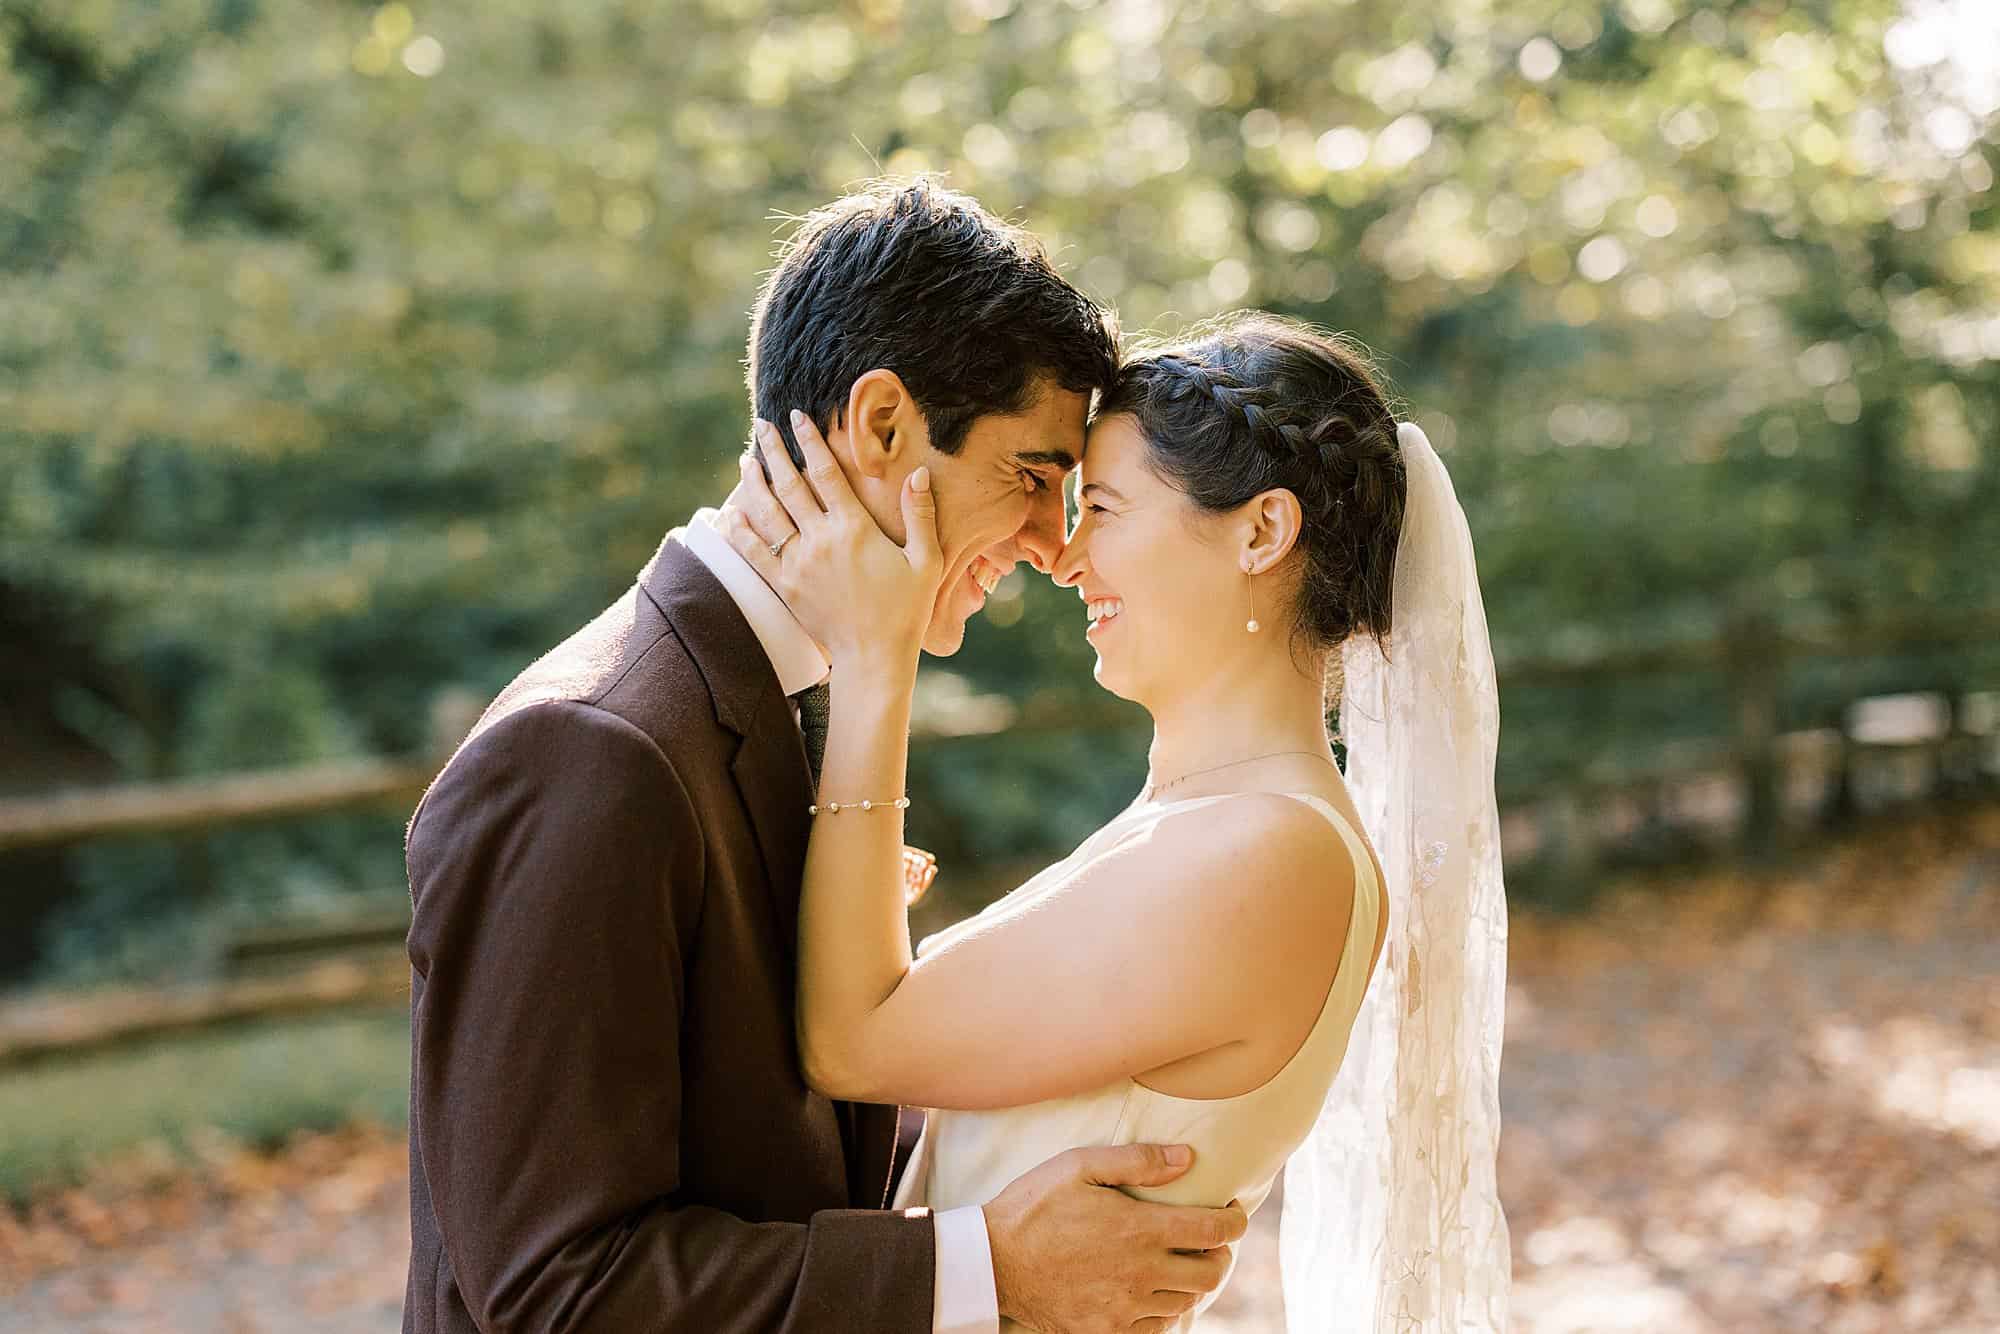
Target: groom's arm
557, 868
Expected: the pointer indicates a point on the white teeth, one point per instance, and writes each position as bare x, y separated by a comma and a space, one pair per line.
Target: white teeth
987, 576
1100, 610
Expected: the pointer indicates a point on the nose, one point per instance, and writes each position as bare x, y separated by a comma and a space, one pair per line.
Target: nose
1072, 561
1041, 535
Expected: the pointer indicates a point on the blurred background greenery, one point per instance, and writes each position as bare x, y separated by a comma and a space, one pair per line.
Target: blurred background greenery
352, 354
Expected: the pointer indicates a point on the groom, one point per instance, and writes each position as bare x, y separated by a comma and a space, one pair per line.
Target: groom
608, 1125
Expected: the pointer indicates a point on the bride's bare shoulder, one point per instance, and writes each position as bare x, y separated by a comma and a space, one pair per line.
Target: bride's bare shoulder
1266, 883
1288, 825
1261, 847
1227, 872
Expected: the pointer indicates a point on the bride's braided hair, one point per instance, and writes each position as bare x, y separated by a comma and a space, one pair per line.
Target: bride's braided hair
1256, 402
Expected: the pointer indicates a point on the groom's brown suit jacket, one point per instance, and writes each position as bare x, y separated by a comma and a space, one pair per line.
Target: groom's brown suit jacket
608, 1126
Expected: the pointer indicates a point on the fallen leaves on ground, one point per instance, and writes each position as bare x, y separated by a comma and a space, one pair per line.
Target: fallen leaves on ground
1765, 1102
314, 1236
1734, 1102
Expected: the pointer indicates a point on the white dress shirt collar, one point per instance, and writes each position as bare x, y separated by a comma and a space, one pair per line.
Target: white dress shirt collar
795, 656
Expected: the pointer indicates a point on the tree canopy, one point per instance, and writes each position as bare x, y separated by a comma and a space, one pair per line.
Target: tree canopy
354, 351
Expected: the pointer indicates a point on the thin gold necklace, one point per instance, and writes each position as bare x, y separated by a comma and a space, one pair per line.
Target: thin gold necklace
1153, 790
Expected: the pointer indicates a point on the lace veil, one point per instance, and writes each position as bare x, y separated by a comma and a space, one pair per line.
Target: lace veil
1392, 1216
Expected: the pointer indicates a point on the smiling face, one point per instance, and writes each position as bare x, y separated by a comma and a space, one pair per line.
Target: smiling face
1152, 570
999, 502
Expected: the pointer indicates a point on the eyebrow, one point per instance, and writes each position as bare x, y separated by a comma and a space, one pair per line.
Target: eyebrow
1060, 458
1111, 491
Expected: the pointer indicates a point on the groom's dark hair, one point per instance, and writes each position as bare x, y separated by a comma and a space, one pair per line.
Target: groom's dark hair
914, 278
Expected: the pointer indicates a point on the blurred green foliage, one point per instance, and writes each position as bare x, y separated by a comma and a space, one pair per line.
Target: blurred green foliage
348, 352
257, 1084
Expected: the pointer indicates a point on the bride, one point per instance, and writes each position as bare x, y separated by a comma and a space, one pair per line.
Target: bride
1253, 523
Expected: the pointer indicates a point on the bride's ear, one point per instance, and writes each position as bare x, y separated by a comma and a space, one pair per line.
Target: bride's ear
1271, 528
883, 424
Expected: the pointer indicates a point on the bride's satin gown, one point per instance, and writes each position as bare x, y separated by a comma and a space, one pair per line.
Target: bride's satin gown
1240, 1143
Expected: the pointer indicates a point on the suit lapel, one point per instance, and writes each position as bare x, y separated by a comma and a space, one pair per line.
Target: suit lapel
775, 782
770, 767
776, 786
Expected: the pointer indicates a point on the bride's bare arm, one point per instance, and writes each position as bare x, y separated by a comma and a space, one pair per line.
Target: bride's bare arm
854, 932
1143, 957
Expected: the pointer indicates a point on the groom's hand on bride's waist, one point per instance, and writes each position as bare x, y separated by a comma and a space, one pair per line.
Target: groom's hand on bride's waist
1074, 1255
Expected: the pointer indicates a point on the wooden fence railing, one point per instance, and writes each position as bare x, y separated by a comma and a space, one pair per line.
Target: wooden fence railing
65, 1024
1745, 786
129, 810
1751, 650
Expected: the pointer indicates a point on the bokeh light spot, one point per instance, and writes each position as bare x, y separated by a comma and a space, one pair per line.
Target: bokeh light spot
1229, 280
424, 57
1342, 148
1657, 217
1539, 60
1601, 259
393, 24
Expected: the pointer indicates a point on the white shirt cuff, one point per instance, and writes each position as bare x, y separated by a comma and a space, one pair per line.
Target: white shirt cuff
964, 1301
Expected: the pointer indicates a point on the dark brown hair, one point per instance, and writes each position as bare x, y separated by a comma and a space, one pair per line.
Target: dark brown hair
1254, 402
923, 281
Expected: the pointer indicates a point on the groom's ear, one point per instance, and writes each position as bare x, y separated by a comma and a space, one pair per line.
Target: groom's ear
884, 427
1271, 528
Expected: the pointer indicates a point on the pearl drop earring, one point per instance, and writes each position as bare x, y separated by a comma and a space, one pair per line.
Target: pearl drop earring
1251, 624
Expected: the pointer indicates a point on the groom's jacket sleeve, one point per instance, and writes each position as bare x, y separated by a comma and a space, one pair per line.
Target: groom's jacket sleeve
557, 870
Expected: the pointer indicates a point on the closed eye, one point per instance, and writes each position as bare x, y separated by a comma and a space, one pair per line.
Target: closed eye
1036, 482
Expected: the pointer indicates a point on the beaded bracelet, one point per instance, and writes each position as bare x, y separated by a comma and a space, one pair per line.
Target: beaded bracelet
836, 807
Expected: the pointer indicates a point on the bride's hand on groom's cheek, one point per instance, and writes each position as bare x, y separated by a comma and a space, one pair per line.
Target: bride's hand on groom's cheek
817, 546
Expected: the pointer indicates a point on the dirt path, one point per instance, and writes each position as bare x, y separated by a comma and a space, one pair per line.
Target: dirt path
1730, 1107
1730, 1110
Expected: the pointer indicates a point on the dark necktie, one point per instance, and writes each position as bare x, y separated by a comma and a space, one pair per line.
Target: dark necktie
815, 708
